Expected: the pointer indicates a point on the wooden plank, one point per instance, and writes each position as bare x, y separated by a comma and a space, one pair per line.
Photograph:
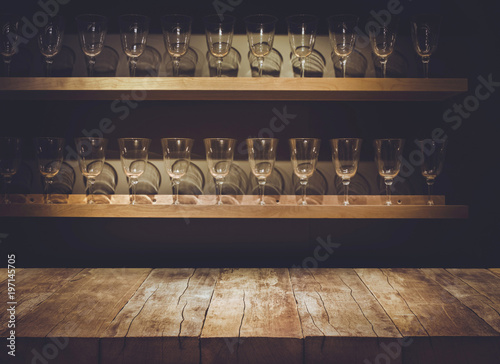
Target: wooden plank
244, 88
252, 319
66, 326
482, 306
239, 207
483, 281
341, 320
495, 271
162, 322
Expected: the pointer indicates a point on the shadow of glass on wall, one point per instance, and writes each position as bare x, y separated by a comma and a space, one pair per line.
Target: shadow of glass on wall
148, 185
104, 185
397, 65
230, 64
271, 66
356, 65
275, 185
314, 65
21, 184
359, 185
106, 63
64, 63
236, 183
148, 64
62, 184
317, 185
187, 64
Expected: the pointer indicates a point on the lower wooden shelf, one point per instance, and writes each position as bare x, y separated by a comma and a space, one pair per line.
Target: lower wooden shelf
278, 207
254, 315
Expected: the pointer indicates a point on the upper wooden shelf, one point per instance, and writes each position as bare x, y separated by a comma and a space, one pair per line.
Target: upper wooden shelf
243, 88
242, 207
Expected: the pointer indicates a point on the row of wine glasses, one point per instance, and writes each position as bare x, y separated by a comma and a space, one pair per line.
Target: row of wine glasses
219, 30
304, 154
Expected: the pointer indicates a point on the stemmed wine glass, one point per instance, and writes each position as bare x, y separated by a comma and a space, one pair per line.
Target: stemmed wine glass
425, 35
262, 155
134, 30
343, 36
302, 36
345, 156
9, 39
92, 31
260, 32
304, 156
388, 154
176, 34
50, 39
220, 153
91, 157
219, 33
382, 39
10, 159
177, 158
134, 158
49, 154
433, 151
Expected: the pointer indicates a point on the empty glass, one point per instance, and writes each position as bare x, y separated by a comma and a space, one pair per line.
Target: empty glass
50, 39
9, 39
177, 158
219, 33
382, 39
260, 33
304, 156
134, 158
220, 153
345, 156
134, 30
388, 153
302, 36
92, 31
49, 155
262, 155
425, 35
10, 159
343, 36
433, 152
176, 34
91, 158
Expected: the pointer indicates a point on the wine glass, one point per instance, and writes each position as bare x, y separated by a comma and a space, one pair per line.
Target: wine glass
433, 151
388, 154
49, 155
425, 35
302, 36
134, 30
382, 39
134, 158
91, 157
260, 32
92, 31
176, 35
304, 156
262, 155
345, 156
343, 36
9, 39
177, 158
10, 159
220, 153
219, 33
50, 39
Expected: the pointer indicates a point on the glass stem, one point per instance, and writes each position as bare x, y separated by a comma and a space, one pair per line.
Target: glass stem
343, 62
6, 62
383, 63
133, 185
262, 188
7, 180
430, 183
303, 183
261, 65
388, 184
219, 67
346, 183
91, 66
48, 66
175, 187
176, 63
303, 67
132, 62
90, 189
425, 62
48, 181
219, 183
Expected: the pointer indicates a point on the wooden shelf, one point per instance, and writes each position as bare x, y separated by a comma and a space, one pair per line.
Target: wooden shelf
255, 315
243, 88
284, 207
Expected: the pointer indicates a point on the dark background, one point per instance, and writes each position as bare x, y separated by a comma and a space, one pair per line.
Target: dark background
470, 176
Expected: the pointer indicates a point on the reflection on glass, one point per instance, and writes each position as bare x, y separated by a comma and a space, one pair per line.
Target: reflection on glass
134, 158
388, 154
49, 155
91, 158
134, 30
176, 35
343, 36
50, 39
302, 36
92, 31
220, 153
262, 155
345, 156
177, 158
425, 35
382, 39
433, 153
260, 33
219, 32
304, 156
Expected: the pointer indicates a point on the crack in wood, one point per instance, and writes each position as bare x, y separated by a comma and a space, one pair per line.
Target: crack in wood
187, 286
312, 319
298, 314
239, 329
326, 311
180, 327
205, 316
